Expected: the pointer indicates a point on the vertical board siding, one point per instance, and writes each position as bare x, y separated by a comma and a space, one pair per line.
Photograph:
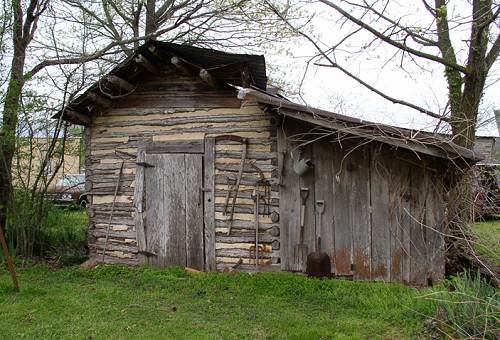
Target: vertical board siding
383, 209
325, 161
171, 108
194, 211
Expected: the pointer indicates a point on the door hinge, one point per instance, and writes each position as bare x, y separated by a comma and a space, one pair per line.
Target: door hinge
144, 164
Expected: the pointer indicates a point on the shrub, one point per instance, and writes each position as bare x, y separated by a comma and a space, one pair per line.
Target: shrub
469, 309
35, 228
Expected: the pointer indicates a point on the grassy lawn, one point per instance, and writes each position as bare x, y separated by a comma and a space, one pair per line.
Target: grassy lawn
121, 302
488, 234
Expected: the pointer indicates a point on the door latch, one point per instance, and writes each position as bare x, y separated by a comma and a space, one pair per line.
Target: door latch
200, 194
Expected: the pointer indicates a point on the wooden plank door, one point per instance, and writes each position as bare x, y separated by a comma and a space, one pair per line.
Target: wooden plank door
174, 209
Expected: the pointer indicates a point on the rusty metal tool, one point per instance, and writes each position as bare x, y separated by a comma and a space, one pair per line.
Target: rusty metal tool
256, 197
230, 187
318, 262
320, 209
301, 249
237, 185
117, 186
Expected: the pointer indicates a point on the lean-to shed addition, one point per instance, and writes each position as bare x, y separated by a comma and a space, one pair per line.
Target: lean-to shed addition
191, 160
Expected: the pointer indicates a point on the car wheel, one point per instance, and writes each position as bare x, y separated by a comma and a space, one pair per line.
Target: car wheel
83, 202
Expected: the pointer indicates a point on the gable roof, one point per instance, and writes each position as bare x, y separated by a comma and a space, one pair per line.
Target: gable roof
224, 67
414, 140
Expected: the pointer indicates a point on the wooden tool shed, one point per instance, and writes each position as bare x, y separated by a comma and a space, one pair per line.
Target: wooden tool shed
187, 148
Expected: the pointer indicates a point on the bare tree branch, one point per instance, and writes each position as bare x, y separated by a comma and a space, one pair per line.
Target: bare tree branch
392, 42
383, 95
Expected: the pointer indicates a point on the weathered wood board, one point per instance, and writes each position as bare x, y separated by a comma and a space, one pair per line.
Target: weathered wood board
379, 203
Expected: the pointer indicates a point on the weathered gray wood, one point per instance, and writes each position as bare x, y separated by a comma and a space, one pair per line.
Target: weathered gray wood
209, 204
77, 117
381, 216
400, 220
194, 211
339, 126
144, 62
289, 206
154, 229
180, 101
174, 202
173, 121
139, 205
99, 100
324, 156
345, 166
307, 181
418, 251
179, 146
180, 65
121, 83
434, 221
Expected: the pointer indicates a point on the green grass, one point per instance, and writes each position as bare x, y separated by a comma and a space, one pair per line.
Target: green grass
488, 239
64, 235
121, 302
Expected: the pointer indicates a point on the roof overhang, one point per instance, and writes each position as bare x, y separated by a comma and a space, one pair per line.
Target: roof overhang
414, 140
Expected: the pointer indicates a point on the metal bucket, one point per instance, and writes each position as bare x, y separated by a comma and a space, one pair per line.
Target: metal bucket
302, 166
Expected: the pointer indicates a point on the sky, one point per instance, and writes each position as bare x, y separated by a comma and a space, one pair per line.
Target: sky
330, 89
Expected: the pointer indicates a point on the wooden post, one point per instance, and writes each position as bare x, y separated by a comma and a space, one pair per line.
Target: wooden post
10, 264
141, 60
77, 117
121, 83
207, 78
99, 100
180, 65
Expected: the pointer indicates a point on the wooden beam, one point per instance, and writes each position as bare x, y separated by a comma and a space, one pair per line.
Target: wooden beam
121, 83
141, 60
245, 75
180, 65
99, 100
357, 131
207, 78
77, 117
154, 51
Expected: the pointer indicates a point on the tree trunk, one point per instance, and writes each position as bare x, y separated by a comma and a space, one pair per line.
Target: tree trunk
463, 122
10, 118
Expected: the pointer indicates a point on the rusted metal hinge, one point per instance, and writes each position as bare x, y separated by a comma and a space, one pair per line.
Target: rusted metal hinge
147, 253
144, 164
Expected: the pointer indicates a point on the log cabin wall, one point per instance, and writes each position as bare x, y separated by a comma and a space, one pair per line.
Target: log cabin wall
384, 208
170, 108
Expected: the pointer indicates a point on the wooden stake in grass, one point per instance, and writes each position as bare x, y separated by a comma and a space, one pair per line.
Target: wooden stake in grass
10, 264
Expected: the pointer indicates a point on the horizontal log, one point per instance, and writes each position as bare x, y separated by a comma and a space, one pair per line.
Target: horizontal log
242, 253
139, 112
240, 225
120, 83
180, 101
172, 121
250, 239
